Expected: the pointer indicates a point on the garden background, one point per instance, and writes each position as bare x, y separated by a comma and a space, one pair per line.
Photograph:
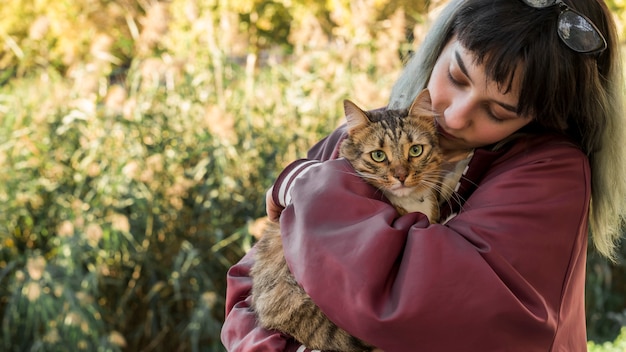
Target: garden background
137, 138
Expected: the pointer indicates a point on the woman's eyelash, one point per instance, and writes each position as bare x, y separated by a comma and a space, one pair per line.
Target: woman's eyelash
493, 117
452, 79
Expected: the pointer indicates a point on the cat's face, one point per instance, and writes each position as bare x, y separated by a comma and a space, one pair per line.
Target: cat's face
396, 151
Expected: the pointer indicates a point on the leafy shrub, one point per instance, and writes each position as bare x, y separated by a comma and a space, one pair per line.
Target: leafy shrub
619, 345
125, 198
130, 174
605, 292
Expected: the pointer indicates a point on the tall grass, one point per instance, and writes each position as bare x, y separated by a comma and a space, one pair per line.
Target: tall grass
132, 172
126, 195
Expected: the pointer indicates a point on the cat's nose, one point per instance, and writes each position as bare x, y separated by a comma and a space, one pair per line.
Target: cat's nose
400, 174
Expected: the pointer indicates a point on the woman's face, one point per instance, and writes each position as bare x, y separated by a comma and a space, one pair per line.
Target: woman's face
472, 110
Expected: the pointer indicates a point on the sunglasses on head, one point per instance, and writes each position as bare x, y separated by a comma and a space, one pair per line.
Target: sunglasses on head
575, 29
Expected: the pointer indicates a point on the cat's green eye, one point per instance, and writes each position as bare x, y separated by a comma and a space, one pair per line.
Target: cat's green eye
416, 150
378, 156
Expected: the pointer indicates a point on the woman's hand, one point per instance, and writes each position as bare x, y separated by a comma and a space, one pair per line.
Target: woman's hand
273, 211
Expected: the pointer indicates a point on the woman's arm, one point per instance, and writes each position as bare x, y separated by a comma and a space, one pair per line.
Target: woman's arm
493, 278
325, 149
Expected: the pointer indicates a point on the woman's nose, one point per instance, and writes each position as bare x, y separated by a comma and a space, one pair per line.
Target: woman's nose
457, 115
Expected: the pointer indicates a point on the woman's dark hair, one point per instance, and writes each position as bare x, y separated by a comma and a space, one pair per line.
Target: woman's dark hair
557, 84
578, 95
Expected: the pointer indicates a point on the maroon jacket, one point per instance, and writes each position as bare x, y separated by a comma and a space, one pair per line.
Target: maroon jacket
506, 274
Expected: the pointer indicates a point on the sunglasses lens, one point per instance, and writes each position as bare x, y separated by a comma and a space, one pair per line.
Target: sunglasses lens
539, 4
578, 33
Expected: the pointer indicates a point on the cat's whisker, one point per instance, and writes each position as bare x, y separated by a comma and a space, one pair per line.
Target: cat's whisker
470, 181
443, 189
456, 198
367, 176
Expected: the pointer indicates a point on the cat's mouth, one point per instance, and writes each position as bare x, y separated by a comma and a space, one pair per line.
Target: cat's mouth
400, 189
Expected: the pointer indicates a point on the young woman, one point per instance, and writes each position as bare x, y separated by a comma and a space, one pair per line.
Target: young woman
528, 96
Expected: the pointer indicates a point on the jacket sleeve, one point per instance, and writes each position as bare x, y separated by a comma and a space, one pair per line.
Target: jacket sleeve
328, 148
492, 278
240, 332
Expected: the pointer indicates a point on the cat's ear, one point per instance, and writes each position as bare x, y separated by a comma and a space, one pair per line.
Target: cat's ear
355, 117
422, 104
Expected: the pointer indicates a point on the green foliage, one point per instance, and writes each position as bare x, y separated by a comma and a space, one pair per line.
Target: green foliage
127, 192
63, 34
117, 213
138, 138
605, 292
618, 7
619, 345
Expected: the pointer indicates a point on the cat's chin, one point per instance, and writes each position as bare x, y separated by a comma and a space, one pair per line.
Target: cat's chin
399, 190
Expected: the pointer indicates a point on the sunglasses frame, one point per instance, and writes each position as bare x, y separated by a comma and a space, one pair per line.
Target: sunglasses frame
564, 8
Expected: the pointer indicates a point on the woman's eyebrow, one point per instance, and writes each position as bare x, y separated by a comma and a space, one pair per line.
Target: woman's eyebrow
461, 64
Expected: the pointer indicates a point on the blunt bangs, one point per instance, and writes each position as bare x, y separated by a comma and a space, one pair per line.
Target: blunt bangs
527, 38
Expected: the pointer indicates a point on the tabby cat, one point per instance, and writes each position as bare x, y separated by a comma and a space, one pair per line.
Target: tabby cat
395, 151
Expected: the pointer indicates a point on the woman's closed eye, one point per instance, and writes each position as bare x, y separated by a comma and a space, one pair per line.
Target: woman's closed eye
494, 116
455, 81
